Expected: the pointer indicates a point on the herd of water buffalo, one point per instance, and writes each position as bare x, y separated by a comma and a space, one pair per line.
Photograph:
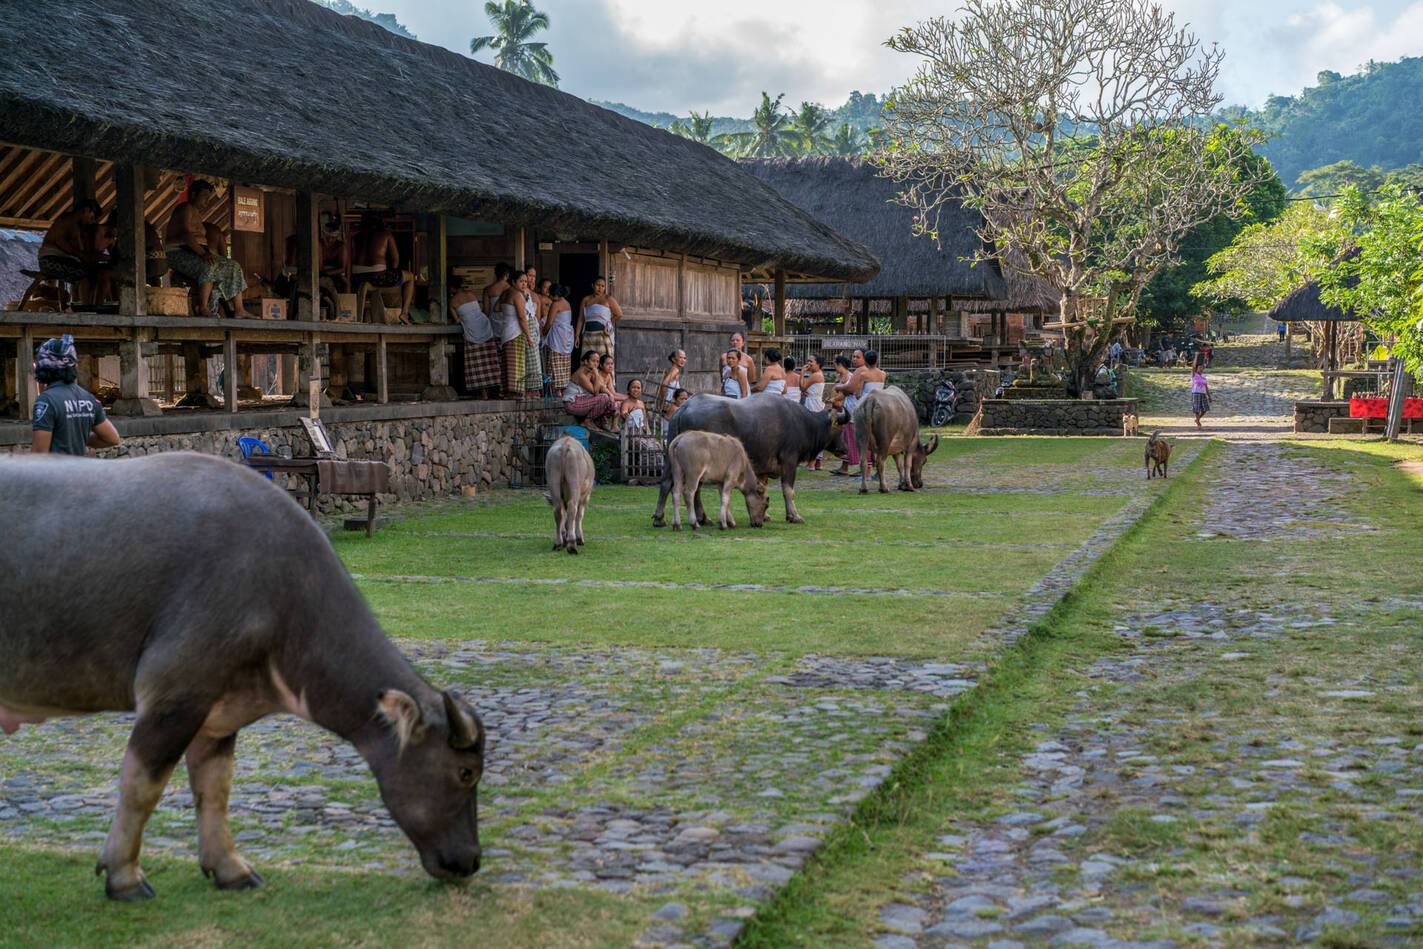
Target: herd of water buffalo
230, 605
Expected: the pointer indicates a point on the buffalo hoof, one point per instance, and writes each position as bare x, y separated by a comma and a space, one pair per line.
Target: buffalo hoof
864, 490
794, 519
658, 522
572, 549
883, 489
557, 547
137, 893
580, 542
251, 881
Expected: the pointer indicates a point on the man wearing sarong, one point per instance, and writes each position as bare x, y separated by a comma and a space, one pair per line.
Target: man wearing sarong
219, 280
68, 252
598, 318
375, 260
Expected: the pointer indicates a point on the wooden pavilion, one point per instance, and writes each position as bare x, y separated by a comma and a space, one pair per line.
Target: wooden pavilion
295, 111
932, 287
1305, 305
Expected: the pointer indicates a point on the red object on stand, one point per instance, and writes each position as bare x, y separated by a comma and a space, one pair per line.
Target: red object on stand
1378, 408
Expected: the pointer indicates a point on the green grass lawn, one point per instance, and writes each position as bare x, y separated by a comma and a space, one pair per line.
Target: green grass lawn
963, 555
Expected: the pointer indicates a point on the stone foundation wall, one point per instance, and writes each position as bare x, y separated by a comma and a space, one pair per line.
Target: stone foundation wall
1313, 416
972, 386
433, 450
1052, 417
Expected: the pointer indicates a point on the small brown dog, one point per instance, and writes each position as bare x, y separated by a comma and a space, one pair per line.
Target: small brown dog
1158, 456
1131, 425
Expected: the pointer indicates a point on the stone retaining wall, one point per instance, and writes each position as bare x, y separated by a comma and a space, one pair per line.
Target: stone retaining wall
1052, 417
1313, 416
432, 449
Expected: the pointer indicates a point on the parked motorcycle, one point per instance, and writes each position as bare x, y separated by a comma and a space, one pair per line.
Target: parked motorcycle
945, 399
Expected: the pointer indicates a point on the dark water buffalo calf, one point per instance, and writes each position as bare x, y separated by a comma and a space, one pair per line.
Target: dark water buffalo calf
779, 435
198, 595
887, 423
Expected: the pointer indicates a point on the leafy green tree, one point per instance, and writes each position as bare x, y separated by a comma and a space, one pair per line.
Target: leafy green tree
1335, 177
812, 123
515, 24
772, 134
1383, 280
1167, 299
697, 127
847, 141
1268, 260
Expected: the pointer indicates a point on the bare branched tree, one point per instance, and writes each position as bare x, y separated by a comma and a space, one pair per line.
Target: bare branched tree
1082, 130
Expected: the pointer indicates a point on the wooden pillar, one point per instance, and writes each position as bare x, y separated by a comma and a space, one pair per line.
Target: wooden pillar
310, 389
170, 382
439, 280
864, 326
439, 389
382, 371
308, 256
82, 178
778, 318
133, 250
134, 397
936, 315
605, 263
195, 378
229, 371
26, 388
519, 254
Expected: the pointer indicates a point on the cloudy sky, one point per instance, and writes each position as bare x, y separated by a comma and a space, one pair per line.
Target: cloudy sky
676, 55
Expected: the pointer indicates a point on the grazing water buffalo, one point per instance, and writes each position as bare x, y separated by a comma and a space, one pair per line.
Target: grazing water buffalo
778, 435
697, 457
568, 472
199, 596
887, 423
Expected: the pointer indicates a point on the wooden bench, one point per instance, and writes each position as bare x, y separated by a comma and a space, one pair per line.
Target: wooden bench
324, 473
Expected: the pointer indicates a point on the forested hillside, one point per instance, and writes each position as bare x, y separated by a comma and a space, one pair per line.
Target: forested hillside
1372, 118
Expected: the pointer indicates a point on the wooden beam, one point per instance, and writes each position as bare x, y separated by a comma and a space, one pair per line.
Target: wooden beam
229, 372
382, 372
134, 396
864, 326
439, 279
682, 287
605, 263
519, 249
308, 256
46, 176
26, 388
133, 251
81, 172
779, 313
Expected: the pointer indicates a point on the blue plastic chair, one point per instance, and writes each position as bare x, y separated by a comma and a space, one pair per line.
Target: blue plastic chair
247, 445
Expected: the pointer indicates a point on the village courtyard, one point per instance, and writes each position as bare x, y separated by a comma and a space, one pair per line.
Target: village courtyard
1044, 700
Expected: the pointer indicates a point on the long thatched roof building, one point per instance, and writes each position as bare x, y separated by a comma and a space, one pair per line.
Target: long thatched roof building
291, 94
848, 195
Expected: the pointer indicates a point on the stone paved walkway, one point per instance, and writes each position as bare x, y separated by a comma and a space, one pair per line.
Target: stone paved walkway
1218, 721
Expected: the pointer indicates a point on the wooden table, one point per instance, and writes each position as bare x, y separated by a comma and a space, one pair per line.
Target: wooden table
310, 469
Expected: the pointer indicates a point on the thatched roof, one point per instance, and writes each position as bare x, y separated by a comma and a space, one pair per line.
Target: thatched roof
1303, 304
288, 93
848, 195
1026, 294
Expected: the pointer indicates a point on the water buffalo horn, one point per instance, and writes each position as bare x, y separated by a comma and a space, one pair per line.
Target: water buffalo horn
461, 729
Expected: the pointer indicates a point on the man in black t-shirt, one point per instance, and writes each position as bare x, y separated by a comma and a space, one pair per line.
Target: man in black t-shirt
68, 418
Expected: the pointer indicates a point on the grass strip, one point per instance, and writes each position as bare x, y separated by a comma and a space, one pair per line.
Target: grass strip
953, 770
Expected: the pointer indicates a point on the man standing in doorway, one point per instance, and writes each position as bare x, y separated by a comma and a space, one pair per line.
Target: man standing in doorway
68, 418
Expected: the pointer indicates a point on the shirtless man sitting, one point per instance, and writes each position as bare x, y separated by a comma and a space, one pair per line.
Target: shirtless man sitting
219, 280
68, 252
375, 260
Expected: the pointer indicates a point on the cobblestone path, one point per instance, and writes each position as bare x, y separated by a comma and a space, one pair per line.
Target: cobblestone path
1248, 768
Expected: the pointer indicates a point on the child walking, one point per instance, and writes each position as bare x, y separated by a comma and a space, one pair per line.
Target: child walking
1200, 390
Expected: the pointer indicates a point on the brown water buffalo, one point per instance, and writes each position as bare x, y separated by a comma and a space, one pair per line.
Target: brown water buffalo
568, 472
199, 596
698, 457
779, 435
887, 423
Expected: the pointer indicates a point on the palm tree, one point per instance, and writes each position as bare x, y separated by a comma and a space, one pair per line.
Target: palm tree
847, 141
698, 127
771, 137
515, 22
812, 123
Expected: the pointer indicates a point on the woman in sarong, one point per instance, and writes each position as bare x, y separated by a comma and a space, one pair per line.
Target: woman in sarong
533, 365
513, 337
599, 317
558, 340
481, 348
